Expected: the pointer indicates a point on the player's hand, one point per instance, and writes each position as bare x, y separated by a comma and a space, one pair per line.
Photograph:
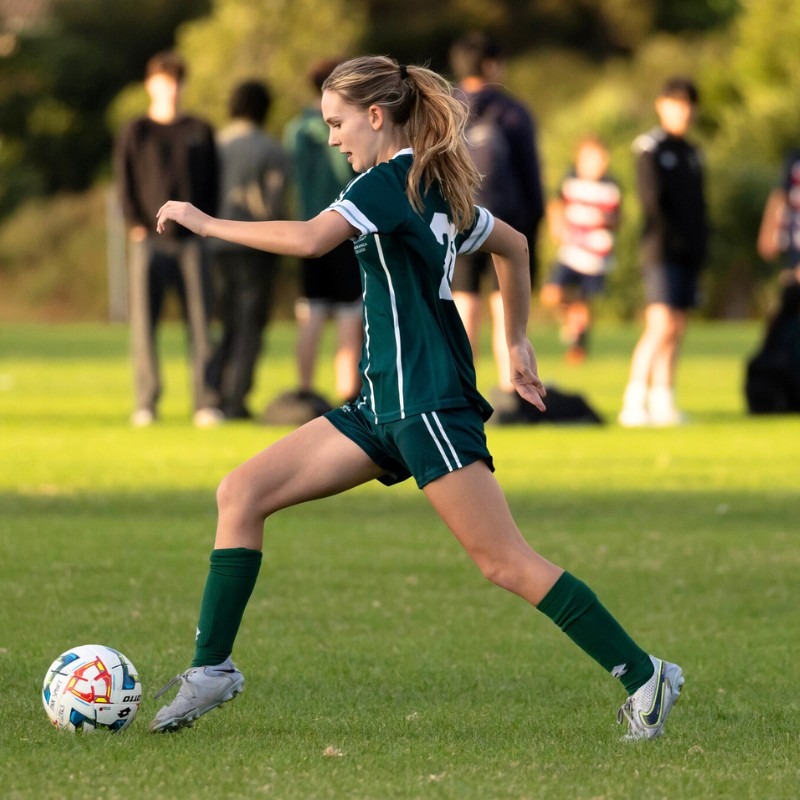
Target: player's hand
525, 377
184, 214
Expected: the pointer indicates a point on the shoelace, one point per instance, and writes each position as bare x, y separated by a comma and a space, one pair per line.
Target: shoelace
182, 678
625, 713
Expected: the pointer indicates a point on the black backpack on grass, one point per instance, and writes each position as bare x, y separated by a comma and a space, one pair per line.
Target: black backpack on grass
772, 384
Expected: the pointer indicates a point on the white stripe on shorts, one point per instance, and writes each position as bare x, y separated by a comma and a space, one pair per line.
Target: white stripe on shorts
447, 440
438, 444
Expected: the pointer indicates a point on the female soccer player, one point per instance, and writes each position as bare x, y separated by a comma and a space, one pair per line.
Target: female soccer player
409, 213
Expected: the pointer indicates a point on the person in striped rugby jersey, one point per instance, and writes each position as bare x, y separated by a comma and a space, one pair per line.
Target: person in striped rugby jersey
583, 220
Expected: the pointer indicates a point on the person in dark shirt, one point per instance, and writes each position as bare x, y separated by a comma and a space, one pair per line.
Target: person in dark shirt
669, 180
167, 154
501, 134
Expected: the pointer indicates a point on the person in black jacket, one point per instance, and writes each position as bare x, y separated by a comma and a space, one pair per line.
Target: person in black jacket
502, 138
165, 154
669, 179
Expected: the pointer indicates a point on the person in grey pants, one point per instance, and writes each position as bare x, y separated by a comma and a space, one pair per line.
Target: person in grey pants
253, 175
157, 156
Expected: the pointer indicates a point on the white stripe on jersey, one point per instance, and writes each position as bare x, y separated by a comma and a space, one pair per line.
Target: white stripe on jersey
436, 442
354, 216
366, 346
396, 322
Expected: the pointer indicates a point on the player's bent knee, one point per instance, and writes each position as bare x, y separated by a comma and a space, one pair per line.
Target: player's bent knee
504, 573
235, 495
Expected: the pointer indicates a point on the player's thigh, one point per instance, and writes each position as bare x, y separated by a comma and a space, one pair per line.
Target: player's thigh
471, 503
473, 506
316, 460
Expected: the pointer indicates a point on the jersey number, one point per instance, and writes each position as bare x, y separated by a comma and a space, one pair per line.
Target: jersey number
445, 233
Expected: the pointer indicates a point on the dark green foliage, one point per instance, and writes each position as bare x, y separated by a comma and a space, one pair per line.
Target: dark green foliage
56, 86
581, 66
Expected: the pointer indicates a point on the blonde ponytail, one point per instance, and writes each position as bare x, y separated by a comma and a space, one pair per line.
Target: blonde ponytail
434, 119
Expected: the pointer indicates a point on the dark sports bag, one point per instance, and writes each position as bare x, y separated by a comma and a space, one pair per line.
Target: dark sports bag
770, 387
772, 383
295, 408
562, 408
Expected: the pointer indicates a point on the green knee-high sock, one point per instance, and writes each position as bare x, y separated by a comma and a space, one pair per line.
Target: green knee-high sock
574, 607
231, 578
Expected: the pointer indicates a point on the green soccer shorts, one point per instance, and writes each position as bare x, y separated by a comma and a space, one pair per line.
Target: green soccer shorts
425, 446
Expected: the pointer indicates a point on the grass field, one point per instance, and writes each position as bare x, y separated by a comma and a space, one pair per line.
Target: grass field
379, 663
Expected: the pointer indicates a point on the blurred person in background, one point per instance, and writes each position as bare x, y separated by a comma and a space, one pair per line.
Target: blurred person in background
772, 384
583, 220
669, 182
779, 235
165, 154
331, 284
501, 134
253, 176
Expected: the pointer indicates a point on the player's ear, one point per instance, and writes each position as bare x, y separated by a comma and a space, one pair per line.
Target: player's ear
377, 116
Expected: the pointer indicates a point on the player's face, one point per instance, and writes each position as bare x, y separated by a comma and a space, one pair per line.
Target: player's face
352, 130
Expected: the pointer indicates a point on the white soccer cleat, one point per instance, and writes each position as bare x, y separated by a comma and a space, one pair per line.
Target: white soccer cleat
647, 709
202, 690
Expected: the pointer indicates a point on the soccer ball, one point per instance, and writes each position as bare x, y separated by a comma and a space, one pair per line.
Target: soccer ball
91, 687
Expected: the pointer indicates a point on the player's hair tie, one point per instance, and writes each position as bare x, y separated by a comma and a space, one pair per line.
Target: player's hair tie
403, 72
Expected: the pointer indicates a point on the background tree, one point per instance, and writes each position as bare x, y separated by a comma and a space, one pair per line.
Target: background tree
599, 29
275, 40
582, 66
57, 82
756, 119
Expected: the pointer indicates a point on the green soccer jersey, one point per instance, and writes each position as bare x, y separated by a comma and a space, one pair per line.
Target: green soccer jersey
416, 355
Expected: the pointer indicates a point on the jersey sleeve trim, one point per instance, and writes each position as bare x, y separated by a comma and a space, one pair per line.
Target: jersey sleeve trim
354, 216
484, 224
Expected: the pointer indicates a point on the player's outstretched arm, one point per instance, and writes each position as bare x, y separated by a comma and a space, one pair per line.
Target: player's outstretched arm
308, 239
509, 250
